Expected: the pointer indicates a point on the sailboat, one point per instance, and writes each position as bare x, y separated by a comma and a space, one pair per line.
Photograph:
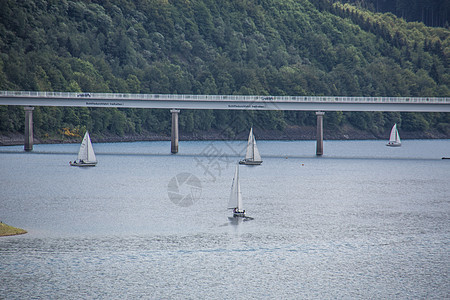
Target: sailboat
86, 155
394, 139
252, 156
235, 201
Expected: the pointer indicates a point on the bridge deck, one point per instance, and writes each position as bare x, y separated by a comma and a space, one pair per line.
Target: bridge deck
313, 103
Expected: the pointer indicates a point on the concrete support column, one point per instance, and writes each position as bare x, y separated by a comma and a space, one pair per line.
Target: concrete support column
174, 143
28, 128
319, 135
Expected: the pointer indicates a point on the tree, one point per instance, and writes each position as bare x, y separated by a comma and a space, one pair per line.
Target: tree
118, 122
222, 47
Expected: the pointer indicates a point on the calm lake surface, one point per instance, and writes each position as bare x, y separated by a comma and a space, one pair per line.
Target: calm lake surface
364, 221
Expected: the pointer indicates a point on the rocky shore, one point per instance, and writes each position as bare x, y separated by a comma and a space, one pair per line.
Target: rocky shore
290, 133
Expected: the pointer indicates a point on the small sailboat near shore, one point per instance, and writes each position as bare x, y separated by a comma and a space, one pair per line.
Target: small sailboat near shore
252, 156
86, 156
394, 139
235, 201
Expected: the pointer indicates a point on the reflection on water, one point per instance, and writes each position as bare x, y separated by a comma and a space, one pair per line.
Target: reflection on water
364, 221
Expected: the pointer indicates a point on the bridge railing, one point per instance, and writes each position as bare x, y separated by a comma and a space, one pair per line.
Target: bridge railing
231, 98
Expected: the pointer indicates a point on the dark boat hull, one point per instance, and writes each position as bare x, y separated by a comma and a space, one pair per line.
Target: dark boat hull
90, 164
393, 144
250, 162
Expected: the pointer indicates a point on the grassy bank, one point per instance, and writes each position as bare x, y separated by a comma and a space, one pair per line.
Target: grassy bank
9, 230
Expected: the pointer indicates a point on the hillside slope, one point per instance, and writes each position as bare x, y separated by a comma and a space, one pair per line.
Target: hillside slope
263, 47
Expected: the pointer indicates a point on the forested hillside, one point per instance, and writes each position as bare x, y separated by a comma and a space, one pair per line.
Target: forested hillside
430, 12
255, 47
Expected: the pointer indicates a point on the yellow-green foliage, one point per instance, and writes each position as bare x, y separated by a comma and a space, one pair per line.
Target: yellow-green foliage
9, 230
75, 132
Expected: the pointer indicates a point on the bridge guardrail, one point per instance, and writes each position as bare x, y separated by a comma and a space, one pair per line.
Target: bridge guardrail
231, 98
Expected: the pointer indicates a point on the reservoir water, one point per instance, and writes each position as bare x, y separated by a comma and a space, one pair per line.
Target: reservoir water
364, 221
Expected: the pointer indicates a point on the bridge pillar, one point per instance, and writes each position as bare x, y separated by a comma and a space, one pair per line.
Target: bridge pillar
28, 128
319, 135
174, 143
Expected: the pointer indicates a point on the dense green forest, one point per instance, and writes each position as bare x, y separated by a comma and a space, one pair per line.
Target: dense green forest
254, 47
429, 12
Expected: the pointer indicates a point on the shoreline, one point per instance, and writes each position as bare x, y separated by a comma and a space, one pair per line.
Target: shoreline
289, 133
7, 230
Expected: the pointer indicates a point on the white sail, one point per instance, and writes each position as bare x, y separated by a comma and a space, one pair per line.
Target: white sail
252, 150
90, 153
249, 154
86, 152
394, 138
256, 155
235, 195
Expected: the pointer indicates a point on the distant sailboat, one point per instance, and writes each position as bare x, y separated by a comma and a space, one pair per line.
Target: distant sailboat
86, 156
252, 157
394, 139
235, 201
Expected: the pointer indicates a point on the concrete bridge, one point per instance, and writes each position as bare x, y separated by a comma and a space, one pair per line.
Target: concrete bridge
175, 102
